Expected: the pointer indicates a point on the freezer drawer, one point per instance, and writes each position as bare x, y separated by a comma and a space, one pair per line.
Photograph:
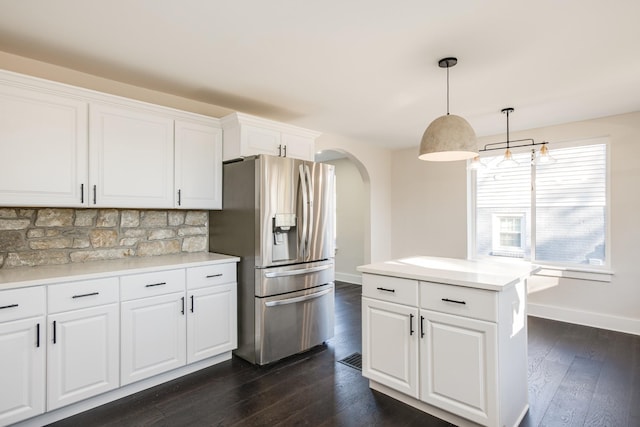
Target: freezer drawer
291, 323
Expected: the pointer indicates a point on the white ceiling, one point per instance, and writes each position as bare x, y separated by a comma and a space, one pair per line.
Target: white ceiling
366, 69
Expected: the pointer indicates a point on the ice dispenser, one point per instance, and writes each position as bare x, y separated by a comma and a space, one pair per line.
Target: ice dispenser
284, 237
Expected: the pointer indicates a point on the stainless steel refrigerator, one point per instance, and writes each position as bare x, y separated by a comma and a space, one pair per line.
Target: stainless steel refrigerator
278, 216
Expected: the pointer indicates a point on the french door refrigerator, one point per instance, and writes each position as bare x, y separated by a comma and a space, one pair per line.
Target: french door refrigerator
278, 216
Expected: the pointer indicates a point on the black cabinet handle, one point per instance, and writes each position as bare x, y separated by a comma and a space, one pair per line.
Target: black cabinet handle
285, 151
386, 290
179, 197
155, 284
86, 295
453, 300
421, 326
82, 193
214, 275
54, 332
411, 324
192, 303
37, 334
182, 305
94, 194
280, 150
8, 306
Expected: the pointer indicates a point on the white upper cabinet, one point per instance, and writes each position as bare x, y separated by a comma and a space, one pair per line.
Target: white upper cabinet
246, 135
131, 158
43, 147
66, 146
198, 165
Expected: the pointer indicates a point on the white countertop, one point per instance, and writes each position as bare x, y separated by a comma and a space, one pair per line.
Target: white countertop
482, 274
11, 278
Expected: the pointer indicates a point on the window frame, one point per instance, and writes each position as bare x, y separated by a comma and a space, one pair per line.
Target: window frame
553, 269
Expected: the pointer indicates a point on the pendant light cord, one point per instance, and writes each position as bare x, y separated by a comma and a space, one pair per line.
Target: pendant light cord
447, 89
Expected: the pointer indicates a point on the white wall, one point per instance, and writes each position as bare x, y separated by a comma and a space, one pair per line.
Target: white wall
429, 216
374, 165
350, 217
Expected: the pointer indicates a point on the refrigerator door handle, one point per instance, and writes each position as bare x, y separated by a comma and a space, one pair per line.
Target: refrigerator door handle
305, 207
297, 299
297, 272
310, 210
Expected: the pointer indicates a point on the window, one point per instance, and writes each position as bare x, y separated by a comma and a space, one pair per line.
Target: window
508, 235
561, 220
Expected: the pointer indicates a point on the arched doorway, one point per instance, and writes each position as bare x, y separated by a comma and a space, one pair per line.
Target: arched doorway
352, 214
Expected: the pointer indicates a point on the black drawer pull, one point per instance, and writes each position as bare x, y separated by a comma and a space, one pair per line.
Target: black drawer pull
155, 284
411, 324
8, 306
86, 295
214, 275
452, 300
386, 290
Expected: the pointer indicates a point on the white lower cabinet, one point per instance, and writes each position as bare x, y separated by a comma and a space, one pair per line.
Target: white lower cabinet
62, 343
447, 338
211, 322
82, 349
390, 345
22, 352
153, 336
458, 372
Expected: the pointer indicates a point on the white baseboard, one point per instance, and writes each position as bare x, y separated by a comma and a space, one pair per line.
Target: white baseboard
356, 279
586, 318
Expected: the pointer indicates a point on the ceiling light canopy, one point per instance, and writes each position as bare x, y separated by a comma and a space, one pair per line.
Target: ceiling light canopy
448, 137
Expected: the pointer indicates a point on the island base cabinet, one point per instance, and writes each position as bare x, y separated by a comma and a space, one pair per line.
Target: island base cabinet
458, 366
153, 336
390, 347
82, 354
212, 322
22, 385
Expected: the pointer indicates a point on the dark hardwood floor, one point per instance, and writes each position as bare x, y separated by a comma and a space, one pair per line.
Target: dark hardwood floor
578, 376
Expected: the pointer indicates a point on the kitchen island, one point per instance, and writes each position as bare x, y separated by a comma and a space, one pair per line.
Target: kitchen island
448, 336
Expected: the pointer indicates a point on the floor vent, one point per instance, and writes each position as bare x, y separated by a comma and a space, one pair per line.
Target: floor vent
353, 360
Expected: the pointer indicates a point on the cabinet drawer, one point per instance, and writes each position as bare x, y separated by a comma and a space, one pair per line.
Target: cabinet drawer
209, 275
459, 300
151, 284
22, 303
83, 294
393, 289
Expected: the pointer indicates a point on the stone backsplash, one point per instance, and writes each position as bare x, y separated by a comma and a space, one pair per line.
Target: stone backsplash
45, 236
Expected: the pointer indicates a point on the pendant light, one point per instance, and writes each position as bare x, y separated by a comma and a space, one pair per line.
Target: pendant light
448, 137
543, 157
507, 160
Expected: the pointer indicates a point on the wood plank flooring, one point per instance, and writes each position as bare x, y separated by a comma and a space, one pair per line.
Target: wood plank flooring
578, 376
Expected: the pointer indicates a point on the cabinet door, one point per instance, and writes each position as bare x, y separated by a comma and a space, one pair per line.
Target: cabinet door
83, 354
198, 166
22, 371
389, 345
43, 147
131, 158
458, 366
255, 140
299, 147
153, 336
212, 322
